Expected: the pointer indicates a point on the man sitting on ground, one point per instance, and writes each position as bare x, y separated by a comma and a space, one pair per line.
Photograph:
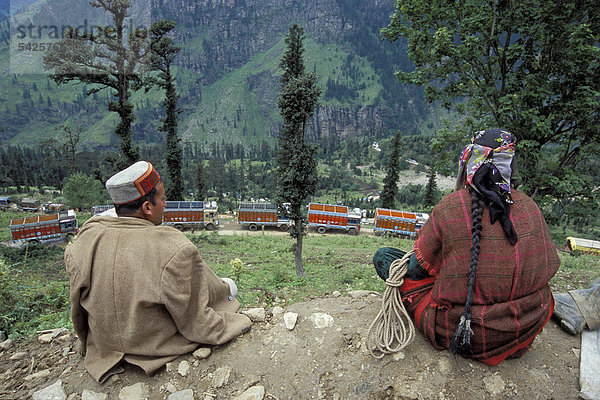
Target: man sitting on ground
141, 292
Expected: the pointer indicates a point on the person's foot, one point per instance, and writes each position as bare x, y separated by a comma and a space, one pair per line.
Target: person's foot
568, 314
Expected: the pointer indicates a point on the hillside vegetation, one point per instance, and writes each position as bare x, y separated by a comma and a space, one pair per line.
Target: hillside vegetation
227, 75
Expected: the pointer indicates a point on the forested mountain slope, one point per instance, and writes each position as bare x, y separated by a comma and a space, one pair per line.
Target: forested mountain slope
227, 74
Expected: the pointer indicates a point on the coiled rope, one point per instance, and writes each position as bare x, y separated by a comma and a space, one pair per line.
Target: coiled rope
392, 329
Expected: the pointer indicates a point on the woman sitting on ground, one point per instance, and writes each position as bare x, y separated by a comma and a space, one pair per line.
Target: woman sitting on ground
474, 286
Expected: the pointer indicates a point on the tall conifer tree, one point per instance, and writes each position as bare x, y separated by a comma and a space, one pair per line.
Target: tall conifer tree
390, 182
163, 52
431, 189
297, 165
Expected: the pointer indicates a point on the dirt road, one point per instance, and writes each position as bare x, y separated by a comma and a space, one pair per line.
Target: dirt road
228, 227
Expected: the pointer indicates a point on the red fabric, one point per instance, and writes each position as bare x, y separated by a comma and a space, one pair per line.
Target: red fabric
523, 346
512, 300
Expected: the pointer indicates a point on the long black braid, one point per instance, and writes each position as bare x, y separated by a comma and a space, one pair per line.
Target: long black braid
461, 342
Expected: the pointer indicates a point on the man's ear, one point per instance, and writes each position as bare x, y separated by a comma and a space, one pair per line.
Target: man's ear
146, 208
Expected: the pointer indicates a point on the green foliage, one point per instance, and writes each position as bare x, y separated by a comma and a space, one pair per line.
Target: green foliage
523, 66
577, 271
390, 182
237, 268
31, 251
82, 191
201, 184
106, 62
431, 190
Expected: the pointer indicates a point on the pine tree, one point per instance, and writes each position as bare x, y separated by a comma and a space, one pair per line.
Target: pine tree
390, 182
201, 186
431, 189
296, 161
163, 54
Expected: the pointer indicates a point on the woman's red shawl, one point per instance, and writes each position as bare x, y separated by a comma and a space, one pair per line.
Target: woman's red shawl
512, 300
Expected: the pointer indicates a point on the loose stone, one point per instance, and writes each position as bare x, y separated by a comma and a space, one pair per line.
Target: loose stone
202, 353
134, 392
290, 319
321, 320
52, 392
90, 395
183, 368
253, 393
256, 314
187, 394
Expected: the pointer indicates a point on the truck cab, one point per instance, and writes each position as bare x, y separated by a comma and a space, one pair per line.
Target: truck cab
4, 203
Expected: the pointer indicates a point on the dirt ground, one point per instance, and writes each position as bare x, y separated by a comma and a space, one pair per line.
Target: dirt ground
311, 361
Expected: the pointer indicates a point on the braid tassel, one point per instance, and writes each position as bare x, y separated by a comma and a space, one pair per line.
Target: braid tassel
461, 342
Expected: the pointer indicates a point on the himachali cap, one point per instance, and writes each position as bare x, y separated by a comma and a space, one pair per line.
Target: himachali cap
132, 183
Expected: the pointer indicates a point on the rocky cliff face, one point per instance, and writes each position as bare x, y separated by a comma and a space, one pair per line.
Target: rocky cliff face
346, 121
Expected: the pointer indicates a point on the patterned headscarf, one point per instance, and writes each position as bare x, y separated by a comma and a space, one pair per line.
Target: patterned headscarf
486, 164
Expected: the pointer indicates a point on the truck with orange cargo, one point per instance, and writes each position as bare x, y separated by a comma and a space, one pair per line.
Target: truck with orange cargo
328, 216
44, 227
262, 213
191, 215
395, 222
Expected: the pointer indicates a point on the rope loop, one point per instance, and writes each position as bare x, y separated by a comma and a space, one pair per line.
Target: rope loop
392, 330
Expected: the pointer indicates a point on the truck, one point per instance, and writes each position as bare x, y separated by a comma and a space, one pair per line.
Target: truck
28, 204
52, 208
585, 246
100, 209
43, 227
395, 222
4, 203
328, 216
421, 219
191, 215
262, 213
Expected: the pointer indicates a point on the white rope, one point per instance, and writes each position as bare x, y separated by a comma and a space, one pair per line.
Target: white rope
392, 329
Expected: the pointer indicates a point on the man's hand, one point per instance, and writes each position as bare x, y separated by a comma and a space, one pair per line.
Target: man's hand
80, 347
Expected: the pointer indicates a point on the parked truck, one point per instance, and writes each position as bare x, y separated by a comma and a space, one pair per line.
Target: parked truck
102, 208
191, 215
28, 204
328, 216
4, 203
395, 222
262, 213
43, 227
421, 219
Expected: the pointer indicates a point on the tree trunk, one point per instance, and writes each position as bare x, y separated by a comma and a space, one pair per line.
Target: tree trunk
298, 255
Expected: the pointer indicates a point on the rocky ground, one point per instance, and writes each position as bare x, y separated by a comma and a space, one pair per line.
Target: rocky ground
310, 350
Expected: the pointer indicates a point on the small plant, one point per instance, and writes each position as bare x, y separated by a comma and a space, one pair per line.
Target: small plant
237, 267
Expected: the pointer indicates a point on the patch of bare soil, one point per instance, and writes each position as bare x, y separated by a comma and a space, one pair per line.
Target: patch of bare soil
320, 358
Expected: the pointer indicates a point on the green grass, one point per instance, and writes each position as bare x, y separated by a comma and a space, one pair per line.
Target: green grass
332, 262
35, 289
576, 272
